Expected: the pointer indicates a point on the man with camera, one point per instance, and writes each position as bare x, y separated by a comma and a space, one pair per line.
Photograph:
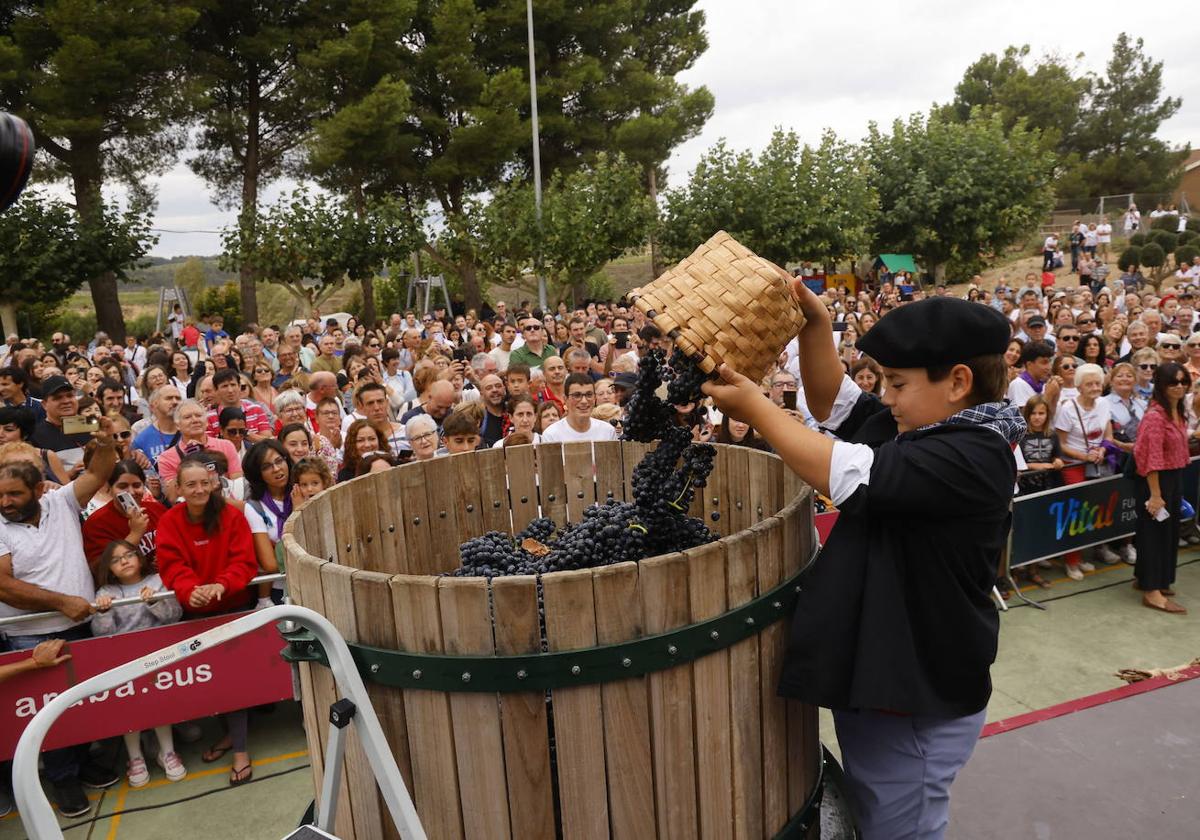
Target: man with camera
62, 432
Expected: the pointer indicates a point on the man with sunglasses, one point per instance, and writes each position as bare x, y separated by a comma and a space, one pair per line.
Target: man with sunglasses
536, 348
1066, 341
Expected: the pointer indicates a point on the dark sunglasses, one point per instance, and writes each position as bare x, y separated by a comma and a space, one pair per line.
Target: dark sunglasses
122, 435
532, 328
237, 432
1066, 367
1182, 382
1086, 321
1148, 367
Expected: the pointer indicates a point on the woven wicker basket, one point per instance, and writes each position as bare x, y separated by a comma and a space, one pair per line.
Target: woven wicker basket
724, 304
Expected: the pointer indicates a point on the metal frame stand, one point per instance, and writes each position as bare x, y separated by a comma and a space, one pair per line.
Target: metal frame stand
426, 285
38, 817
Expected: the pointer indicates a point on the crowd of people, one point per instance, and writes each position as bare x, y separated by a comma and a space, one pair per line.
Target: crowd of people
170, 462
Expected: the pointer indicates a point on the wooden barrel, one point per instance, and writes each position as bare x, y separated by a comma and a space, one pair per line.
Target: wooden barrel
647, 710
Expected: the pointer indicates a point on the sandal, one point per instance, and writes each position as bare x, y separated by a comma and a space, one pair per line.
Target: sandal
240, 777
214, 753
1038, 580
1167, 606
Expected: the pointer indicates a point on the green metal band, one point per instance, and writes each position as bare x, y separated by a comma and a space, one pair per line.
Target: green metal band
540, 671
798, 826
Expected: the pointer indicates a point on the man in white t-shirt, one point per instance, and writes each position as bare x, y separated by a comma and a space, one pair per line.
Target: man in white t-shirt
1037, 360
579, 425
43, 568
1103, 237
1048, 249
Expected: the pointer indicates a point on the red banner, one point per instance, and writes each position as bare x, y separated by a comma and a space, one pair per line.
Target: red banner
246, 671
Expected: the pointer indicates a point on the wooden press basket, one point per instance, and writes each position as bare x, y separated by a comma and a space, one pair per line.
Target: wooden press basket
724, 304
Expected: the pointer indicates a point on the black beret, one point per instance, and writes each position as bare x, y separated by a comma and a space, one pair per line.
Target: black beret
935, 332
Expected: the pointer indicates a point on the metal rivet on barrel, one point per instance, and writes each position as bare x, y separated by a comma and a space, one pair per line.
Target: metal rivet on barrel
524, 499
738, 505
417, 675
370, 538
375, 668
608, 495
580, 494
349, 546
716, 500
576, 670
496, 504
466, 677
797, 590
671, 649
626, 662
391, 529
470, 508
714, 635
442, 515
760, 510
522, 674
550, 497
777, 605
750, 621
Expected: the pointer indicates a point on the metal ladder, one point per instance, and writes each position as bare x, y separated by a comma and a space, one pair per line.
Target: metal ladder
354, 708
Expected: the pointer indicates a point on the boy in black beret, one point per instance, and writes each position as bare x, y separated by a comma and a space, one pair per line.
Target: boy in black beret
895, 629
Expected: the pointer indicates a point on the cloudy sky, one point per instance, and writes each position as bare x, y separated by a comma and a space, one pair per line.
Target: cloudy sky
808, 65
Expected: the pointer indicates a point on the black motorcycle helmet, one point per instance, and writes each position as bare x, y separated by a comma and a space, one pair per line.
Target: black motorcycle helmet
16, 158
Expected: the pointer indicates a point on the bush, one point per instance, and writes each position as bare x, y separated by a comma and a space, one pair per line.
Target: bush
225, 301
1130, 258
141, 326
1194, 224
1184, 255
1138, 240
1186, 236
1153, 255
1166, 240
1170, 223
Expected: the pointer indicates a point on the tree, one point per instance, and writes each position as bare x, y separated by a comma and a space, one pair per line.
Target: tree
1045, 95
468, 132
589, 216
47, 251
791, 203
353, 80
101, 86
1116, 141
311, 245
956, 194
244, 55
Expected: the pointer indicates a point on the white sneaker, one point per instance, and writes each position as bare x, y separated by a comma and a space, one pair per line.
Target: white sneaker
1107, 556
1128, 554
1074, 572
171, 763
1085, 566
137, 772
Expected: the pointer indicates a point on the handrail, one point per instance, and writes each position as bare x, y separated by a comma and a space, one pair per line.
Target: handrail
36, 813
123, 602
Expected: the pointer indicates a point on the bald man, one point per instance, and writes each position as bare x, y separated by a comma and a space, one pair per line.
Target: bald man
437, 405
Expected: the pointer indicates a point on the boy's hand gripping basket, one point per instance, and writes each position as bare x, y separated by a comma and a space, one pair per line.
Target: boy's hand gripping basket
724, 304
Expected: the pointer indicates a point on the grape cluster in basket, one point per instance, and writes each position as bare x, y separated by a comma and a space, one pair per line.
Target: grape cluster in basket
664, 484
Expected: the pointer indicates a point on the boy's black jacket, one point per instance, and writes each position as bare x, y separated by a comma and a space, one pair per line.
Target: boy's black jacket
896, 613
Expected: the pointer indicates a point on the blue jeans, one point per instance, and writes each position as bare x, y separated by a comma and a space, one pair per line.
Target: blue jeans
64, 762
899, 769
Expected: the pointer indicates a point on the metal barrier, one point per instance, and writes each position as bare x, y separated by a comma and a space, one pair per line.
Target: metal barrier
12, 620
38, 817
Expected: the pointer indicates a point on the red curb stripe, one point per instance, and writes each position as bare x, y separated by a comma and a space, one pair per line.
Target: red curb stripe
1090, 701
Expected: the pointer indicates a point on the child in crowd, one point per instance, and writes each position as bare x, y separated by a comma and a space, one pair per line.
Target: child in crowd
1040, 447
124, 572
460, 431
310, 476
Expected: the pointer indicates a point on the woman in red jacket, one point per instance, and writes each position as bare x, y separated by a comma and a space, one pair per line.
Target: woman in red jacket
206, 555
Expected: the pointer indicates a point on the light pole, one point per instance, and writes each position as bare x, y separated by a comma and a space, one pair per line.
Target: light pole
537, 153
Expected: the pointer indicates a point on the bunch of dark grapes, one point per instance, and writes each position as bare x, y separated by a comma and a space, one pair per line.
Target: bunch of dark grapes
664, 485
608, 533
646, 415
686, 379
